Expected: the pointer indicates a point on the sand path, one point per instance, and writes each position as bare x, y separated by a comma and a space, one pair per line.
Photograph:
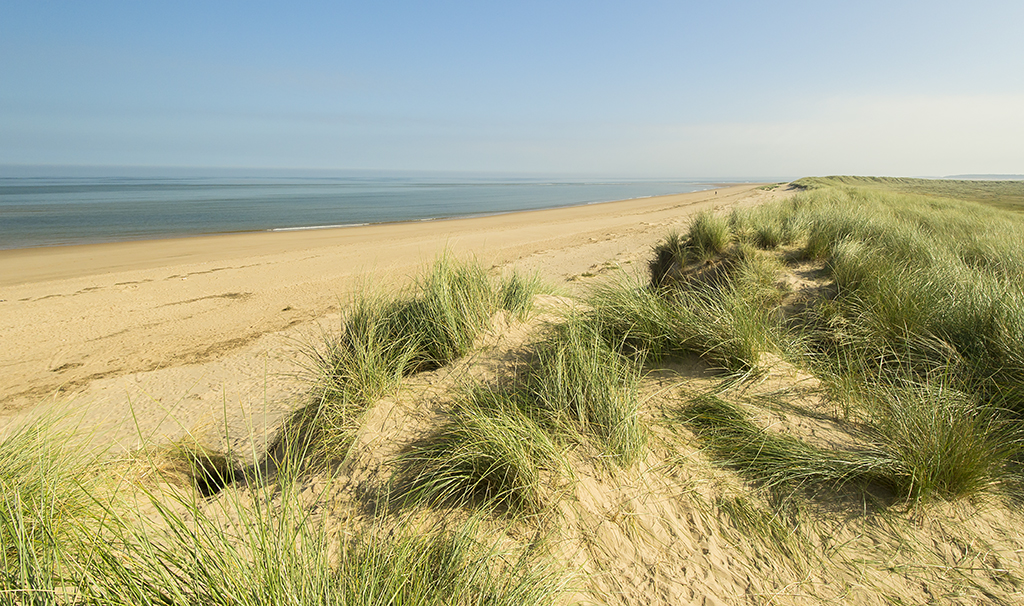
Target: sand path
147, 340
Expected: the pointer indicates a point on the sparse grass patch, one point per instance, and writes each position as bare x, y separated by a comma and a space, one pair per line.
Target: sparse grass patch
207, 471
776, 525
778, 461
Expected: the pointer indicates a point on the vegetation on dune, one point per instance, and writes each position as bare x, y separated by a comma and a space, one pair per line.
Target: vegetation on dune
259, 547
500, 444
903, 309
583, 387
45, 494
780, 461
920, 334
722, 310
490, 450
1004, 194
384, 338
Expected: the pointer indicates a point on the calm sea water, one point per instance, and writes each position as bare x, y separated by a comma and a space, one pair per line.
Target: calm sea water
50, 210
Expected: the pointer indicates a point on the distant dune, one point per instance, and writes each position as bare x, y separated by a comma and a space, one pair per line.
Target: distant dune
988, 177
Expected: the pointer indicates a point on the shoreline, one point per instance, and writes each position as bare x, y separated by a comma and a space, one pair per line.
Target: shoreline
36, 263
278, 205
169, 334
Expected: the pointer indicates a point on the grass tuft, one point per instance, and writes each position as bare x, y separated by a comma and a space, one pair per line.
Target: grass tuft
44, 500
384, 339
517, 292
728, 325
586, 387
709, 235
489, 451
669, 254
944, 442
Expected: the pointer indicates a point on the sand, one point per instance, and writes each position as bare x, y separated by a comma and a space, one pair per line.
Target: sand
143, 342
147, 340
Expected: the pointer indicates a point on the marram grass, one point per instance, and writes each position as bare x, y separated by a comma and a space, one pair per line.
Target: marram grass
386, 337
73, 536
489, 451
920, 336
585, 387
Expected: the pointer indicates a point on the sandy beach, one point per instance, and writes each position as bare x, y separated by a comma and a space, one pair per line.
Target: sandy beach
148, 340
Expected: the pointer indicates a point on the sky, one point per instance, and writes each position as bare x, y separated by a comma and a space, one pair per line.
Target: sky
724, 89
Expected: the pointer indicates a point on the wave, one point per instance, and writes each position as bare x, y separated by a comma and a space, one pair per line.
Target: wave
308, 227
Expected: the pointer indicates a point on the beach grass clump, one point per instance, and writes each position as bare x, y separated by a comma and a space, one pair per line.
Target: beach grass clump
491, 450
384, 338
516, 293
587, 388
374, 349
709, 235
669, 255
770, 226
44, 500
454, 302
729, 325
281, 555
501, 445
945, 443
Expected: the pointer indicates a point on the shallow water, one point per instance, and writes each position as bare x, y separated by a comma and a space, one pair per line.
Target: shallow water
55, 209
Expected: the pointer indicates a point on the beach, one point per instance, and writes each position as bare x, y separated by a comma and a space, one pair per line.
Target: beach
669, 445
145, 341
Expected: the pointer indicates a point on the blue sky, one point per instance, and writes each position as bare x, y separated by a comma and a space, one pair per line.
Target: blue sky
675, 89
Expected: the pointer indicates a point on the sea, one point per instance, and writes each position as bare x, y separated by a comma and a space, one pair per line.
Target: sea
50, 206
